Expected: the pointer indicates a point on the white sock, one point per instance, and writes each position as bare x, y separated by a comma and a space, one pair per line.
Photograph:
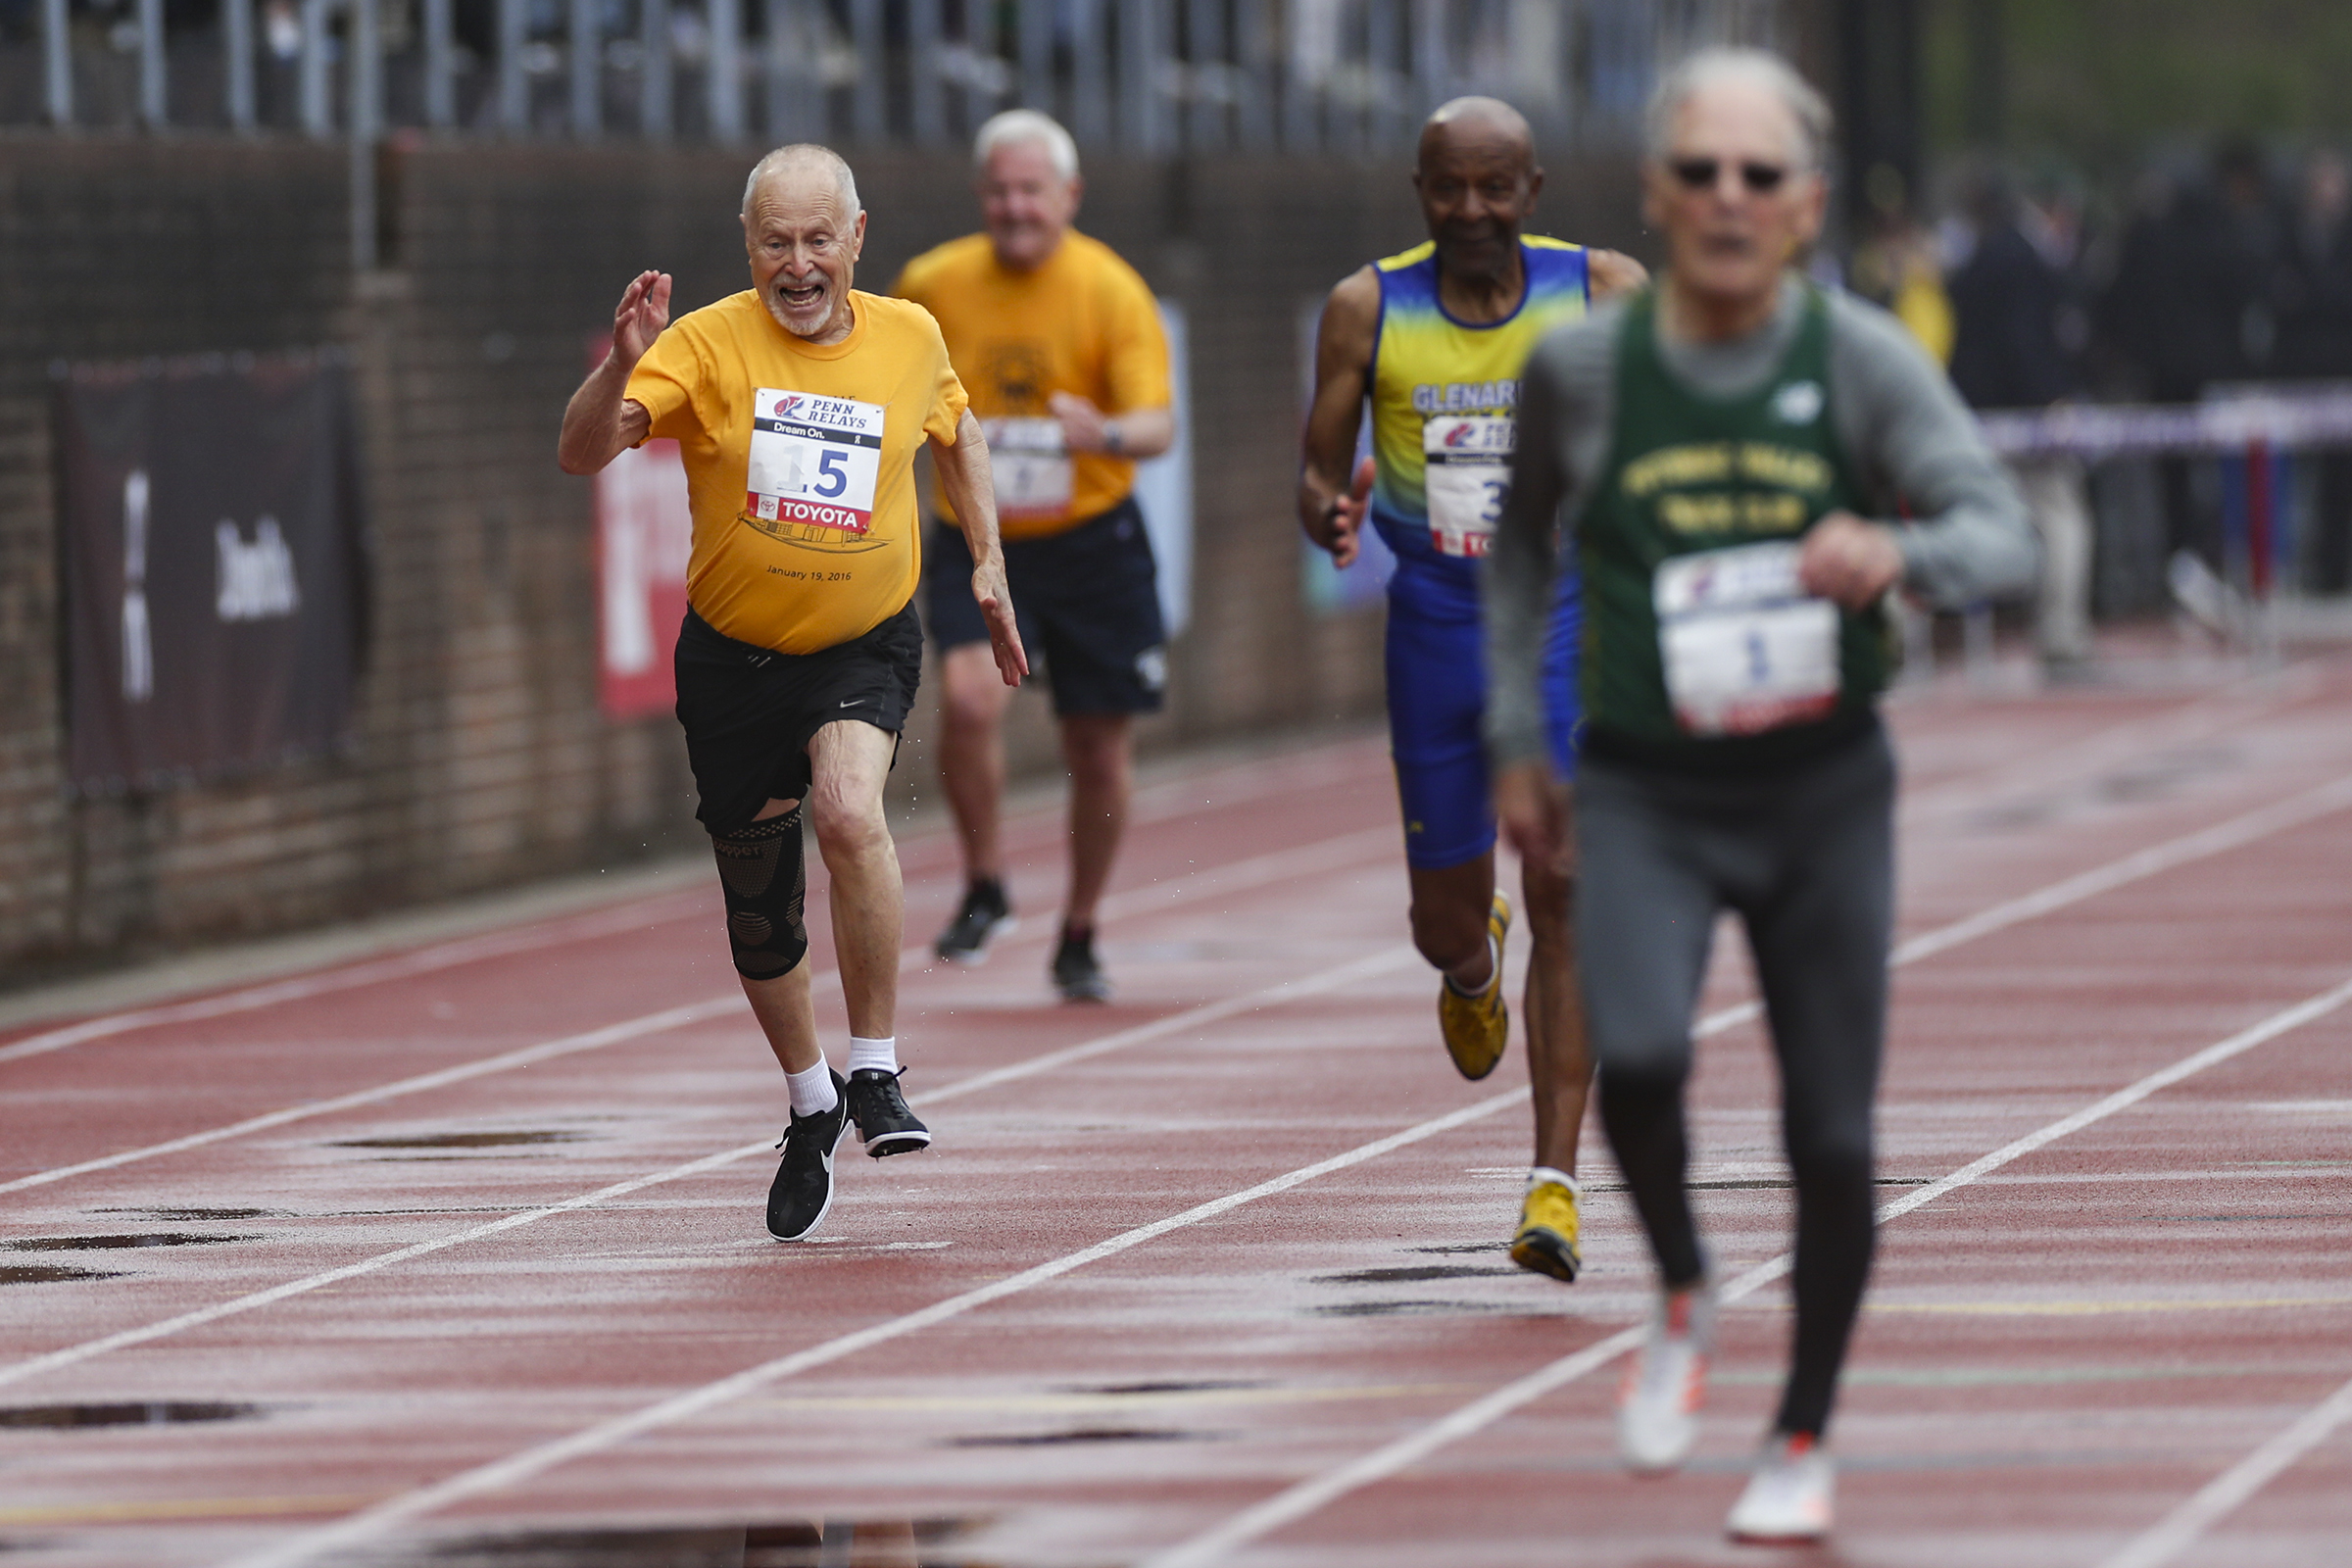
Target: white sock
1494, 967
813, 1091
1540, 1174
880, 1055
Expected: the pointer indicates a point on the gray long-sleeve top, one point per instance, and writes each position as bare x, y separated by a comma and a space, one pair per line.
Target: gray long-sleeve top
1899, 420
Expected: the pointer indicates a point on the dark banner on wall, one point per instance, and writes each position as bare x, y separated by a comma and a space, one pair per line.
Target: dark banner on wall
210, 519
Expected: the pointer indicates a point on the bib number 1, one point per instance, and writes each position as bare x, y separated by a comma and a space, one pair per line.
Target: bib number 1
813, 460
1466, 475
1745, 649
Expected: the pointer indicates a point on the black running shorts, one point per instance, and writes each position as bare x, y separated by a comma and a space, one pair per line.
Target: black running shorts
750, 713
1088, 603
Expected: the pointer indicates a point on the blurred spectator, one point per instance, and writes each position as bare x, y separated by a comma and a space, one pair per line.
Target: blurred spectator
2315, 341
2189, 304
1895, 266
2010, 303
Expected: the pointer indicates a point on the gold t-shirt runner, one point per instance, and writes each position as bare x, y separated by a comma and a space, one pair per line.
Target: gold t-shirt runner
1084, 322
800, 462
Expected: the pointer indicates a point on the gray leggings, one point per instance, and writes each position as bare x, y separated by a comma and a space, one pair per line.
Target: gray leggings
1806, 853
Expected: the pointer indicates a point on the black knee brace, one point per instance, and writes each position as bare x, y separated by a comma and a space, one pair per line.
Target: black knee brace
766, 880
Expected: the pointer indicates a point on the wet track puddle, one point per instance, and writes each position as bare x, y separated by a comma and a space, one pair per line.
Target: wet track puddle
185, 1216
508, 1139
1130, 1391
1414, 1273
806, 1543
49, 1273
1409, 1308
114, 1244
150, 1413
1082, 1435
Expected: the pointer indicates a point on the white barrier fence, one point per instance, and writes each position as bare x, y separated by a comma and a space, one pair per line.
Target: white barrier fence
1146, 75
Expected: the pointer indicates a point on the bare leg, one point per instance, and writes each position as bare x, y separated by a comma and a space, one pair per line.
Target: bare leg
850, 760
1098, 750
971, 753
1560, 1066
787, 1015
1449, 918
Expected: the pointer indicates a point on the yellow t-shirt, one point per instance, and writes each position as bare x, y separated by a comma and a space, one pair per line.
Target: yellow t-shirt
800, 462
1085, 322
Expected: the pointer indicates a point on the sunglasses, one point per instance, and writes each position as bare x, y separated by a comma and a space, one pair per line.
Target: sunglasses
1702, 173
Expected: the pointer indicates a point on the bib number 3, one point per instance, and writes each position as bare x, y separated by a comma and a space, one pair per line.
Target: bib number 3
1466, 473
813, 460
1745, 649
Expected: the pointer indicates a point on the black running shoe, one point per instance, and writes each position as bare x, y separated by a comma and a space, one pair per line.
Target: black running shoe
1076, 974
803, 1190
884, 1123
985, 915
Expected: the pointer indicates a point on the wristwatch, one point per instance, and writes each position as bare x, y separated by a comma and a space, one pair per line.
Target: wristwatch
1112, 438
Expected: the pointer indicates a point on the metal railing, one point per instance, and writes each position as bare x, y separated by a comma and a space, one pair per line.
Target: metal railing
1156, 78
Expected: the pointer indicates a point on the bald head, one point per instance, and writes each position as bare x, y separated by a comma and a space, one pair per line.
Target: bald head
796, 169
1488, 123
804, 232
1478, 179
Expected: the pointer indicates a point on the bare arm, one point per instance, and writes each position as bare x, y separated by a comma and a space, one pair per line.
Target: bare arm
971, 492
1613, 272
599, 423
1136, 433
1332, 501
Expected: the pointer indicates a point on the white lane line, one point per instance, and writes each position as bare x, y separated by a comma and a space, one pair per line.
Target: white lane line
2179, 1530
1316, 1493
1325, 854
625, 918
325, 982
2235, 833
1175, 1023
373, 1522
523, 1057
2241, 702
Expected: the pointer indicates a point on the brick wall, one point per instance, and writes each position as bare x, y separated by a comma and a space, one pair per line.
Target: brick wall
479, 756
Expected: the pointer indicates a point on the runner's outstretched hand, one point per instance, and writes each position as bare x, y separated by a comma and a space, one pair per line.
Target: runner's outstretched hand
642, 313
1004, 631
1343, 519
1530, 806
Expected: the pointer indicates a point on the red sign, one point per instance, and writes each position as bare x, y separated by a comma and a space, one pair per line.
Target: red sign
644, 531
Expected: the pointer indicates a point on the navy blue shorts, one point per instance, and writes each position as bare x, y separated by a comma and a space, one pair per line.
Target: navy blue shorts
1437, 709
1086, 601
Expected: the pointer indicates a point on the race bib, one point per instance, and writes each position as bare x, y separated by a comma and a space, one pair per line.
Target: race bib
813, 460
1746, 648
1466, 473
1031, 461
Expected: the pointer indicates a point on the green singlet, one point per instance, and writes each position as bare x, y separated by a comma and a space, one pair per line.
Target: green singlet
1700, 648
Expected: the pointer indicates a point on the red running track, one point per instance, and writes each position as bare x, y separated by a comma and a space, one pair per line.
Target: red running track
456, 1257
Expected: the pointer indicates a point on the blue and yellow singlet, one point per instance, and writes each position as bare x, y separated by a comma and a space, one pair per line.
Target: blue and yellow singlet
1444, 413
1445, 405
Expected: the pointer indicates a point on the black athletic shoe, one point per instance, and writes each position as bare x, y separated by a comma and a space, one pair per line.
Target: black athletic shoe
884, 1123
803, 1190
1076, 974
985, 915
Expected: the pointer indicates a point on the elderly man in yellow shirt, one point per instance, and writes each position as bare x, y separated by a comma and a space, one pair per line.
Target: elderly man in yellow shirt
1059, 342
798, 406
